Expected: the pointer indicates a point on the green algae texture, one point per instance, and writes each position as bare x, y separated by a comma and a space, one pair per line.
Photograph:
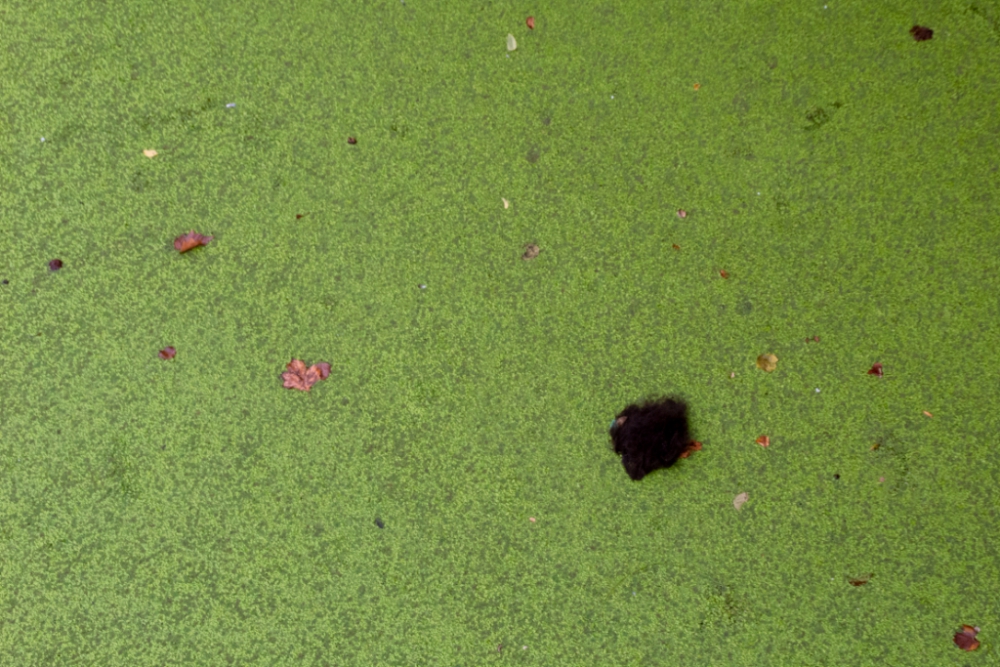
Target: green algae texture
448, 495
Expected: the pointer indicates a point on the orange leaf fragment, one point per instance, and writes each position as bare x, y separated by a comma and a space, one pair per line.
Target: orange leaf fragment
764, 441
927, 414
676, 247
966, 639
876, 369
724, 274
697, 86
695, 446
297, 376
192, 239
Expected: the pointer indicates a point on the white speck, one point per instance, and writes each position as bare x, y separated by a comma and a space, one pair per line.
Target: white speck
43, 138
758, 192
633, 592
423, 287
231, 105
612, 97
817, 390
524, 648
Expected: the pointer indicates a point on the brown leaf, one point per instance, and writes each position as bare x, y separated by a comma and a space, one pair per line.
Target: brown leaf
298, 376
874, 447
323, 369
724, 274
767, 362
876, 369
676, 247
739, 500
697, 86
921, 33
764, 441
192, 239
966, 639
531, 251
695, 446
862, 580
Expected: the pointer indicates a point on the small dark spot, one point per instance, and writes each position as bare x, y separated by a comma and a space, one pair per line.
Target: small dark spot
299, 216
546, 121
921, 33
5, 281
379, 523
533, 155
55, 265
352, 140
345, 401
836, 476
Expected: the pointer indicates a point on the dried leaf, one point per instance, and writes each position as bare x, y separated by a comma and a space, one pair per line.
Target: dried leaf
531, 23
511, 42
695, 446
876, 369
767, 362
874, 447
681, 213
764, 441
676, 247
192, 239
697, 86
150, 153
323, 369
739, 500
352, 140
531, 251
966, 639
927, 414
167, 353
921, 33
506, 204
862, 580
724, 274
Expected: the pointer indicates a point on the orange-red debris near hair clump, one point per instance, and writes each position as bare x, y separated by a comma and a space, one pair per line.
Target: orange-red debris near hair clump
966, 639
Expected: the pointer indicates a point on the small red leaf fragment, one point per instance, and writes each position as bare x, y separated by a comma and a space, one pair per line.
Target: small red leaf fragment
530, 23
697, 86
816, 338
681, 213
297, 376
323, 369
927, 414
352, 140
695, 446
192, 239
876, 369
531, 519
966, 639
764, 441
724, 274
676, 247
167, 353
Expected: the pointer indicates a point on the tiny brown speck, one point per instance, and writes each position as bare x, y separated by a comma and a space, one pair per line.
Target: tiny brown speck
352, 140
921, 33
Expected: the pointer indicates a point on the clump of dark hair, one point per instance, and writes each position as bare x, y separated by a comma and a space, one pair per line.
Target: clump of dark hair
650, 436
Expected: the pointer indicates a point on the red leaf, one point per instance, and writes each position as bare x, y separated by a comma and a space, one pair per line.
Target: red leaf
192, 239
876, 369
966, 639
167, 353
724, 274
764, 441
297, 376
695, 446
323, 369
531, 22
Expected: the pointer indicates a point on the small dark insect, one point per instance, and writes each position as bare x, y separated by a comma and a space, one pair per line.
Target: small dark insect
876, 369
861, 581
55, 265
352, 140
921, 33
380, 523
966, 639
836, 476
167, 353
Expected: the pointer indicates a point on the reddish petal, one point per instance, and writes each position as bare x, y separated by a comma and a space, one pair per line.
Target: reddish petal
192, 239
324, 370
966, 640
876, 369
531, 22
167, 352
764, 441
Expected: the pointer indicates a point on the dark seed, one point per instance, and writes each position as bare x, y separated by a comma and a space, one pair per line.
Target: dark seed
352, 140
921, 33
379, 523
55, 265
836, 476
